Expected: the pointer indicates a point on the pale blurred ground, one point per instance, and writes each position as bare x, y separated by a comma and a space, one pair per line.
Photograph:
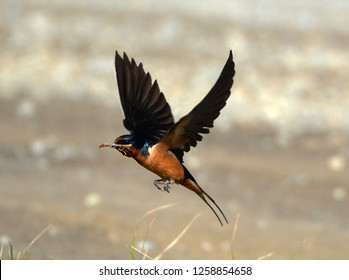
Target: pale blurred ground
278, 154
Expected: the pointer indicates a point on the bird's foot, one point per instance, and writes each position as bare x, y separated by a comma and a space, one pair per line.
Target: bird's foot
163, 185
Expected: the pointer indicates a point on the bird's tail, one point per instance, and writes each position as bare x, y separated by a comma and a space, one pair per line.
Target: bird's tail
190, 183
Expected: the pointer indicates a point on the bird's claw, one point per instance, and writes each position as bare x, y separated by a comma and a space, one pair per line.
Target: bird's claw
163, 185
167, 186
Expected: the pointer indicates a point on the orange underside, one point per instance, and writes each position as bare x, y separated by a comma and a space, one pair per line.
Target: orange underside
162, 162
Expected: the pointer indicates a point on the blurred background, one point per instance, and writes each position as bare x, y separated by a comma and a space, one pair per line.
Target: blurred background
278, 154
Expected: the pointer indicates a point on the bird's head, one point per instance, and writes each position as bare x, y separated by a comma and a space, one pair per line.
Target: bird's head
125, 145
128, 146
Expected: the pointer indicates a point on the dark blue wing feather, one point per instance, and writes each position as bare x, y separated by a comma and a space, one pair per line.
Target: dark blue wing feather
148, 116
187, 131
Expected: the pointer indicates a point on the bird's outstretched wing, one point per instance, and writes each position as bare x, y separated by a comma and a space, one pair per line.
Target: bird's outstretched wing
148, 116
186, 132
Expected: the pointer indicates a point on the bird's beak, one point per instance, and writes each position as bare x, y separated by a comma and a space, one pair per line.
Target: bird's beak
114, 146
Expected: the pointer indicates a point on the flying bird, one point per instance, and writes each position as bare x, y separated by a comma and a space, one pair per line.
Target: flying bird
157, 142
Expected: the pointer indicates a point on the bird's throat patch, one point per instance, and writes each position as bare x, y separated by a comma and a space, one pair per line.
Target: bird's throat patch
125, 151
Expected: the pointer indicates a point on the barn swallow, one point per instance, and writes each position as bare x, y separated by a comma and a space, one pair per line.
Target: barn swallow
155, 141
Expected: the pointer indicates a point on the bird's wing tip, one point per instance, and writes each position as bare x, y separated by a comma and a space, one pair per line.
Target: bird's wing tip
231, 55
